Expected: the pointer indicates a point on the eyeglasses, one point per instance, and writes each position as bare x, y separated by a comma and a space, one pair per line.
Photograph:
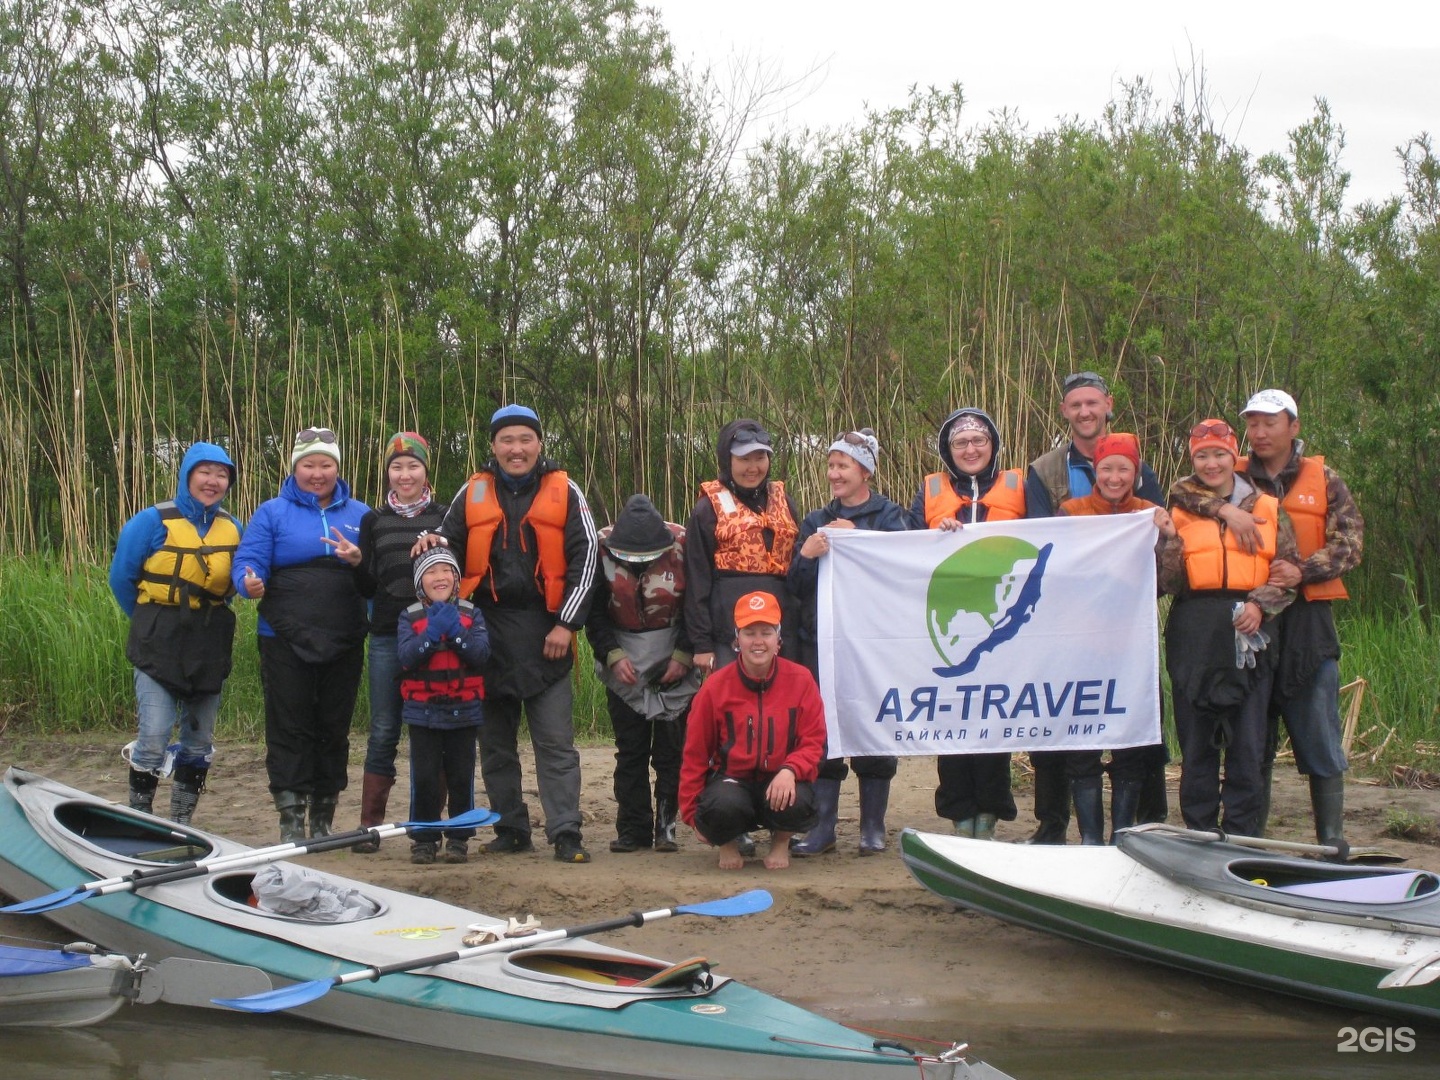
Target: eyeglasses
1218, 428
314, 434
977, 441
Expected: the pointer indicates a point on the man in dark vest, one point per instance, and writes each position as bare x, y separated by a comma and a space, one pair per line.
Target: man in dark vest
644, 658
1068, 472
529, 562
1330, 535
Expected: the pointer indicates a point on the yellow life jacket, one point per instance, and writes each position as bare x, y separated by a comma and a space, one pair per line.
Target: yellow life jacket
187, 568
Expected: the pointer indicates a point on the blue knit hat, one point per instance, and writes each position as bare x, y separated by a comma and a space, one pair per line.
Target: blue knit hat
515, 416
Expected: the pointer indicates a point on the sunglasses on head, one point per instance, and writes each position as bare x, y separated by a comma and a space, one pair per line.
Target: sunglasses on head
854, 438
315, 434
1082, 378
1219, 429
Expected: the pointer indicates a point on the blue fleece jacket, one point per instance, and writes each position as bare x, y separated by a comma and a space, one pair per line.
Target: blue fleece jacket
291, 529
144, 534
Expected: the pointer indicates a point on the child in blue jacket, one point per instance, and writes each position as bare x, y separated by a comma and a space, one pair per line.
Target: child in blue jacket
441, 643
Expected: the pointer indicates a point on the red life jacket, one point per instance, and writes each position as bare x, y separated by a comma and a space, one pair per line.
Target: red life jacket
647, 597
443, 680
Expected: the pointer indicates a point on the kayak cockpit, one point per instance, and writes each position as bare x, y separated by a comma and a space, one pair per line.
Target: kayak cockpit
623, 973
129, 835
1352, 885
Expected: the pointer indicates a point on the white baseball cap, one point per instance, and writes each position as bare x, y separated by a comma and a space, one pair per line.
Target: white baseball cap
1271, 401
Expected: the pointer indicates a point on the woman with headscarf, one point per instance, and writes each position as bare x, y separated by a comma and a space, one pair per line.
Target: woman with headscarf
298, 558
974, 789
386, 575
850, 464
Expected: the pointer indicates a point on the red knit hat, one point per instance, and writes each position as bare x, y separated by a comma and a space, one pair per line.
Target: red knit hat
1118, 444
1216, 433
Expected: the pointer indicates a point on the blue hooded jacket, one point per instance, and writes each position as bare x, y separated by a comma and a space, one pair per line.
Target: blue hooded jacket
291, 529
144, 534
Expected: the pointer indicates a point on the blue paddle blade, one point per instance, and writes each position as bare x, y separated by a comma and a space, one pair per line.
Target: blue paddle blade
470, 819
40, 904
287, 997
746, 903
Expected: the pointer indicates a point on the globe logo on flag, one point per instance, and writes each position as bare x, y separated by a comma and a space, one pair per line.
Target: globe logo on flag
980, 597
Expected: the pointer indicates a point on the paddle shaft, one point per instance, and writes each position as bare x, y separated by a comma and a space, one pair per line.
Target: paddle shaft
635, 918
253, 857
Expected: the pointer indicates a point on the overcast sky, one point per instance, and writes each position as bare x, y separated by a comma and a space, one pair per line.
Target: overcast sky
1377, 62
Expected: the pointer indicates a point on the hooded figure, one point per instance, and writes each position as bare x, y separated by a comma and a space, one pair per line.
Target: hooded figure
972, 488
171, 576
740, 539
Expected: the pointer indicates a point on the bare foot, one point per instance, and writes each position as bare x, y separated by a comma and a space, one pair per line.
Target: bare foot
730, 857
778, 858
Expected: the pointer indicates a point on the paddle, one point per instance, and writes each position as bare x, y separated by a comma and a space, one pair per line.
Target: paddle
289, 997
256, 857
1216, 836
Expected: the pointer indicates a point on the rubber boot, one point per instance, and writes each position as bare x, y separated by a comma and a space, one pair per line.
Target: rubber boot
374, 797
291, 805
1089, 809
874, 800
1327, 798
1267, 776
322, 814
185, 792
985, 826
665, 826
1153, 803
821, 838
1052, 803
1124, 805
142, 790
965, 827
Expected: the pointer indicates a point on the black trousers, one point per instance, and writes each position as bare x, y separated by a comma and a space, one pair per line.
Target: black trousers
442, 770
973, 784
641, 744
308, 710
728, 807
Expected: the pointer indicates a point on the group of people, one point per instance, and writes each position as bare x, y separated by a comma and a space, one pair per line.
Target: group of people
705, 637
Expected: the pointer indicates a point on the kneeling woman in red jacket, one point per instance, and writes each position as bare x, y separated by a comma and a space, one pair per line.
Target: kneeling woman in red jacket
754, 742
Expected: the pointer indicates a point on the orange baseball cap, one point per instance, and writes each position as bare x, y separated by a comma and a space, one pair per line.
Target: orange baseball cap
757, 607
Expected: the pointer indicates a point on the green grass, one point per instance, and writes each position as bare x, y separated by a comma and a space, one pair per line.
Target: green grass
63, 666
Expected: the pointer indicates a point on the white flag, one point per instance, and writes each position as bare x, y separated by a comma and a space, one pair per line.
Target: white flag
1020, 635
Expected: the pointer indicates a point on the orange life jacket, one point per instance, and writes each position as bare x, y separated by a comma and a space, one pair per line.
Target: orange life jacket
1308, 504
740, 531
1096, 505
1005, 501
1213, 558
546, 517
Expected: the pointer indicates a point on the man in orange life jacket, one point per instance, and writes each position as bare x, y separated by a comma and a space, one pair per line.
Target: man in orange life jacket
530, 558
1068, 472
1329, 534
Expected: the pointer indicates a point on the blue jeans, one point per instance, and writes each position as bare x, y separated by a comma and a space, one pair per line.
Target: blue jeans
160, 712
1313, 719
384, 706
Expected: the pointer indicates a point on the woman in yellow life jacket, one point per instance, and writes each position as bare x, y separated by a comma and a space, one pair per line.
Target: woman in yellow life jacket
1220, 640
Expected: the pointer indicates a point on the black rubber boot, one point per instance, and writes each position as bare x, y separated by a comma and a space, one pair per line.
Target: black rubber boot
1052, 802
1267, 776
291, 805
665, 826
874, 801
322, 814
1153, 804
185, 792
1124, 800
142, 790
1089, 809
821, 838
1327, 798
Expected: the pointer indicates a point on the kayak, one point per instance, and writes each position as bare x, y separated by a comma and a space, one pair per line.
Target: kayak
1362, 937
322, 941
